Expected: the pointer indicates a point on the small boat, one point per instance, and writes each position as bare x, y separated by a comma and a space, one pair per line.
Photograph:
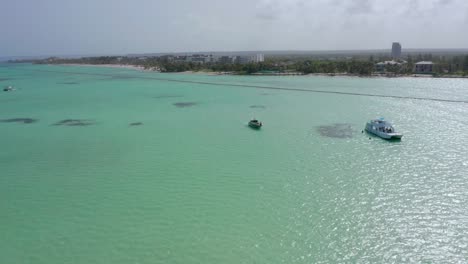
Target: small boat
383, 129
8, 89
254, 123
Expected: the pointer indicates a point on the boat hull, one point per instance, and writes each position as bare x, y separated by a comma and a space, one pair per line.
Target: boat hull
383, 135
255, 125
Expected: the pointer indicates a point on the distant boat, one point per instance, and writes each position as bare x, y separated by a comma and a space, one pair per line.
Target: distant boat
8, 89
383, 129
254, 123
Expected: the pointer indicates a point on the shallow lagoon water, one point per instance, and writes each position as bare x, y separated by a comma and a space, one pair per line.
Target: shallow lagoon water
195, 185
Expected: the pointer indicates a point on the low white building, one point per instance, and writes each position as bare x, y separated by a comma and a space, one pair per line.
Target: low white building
194, 58
383, 66
424, 67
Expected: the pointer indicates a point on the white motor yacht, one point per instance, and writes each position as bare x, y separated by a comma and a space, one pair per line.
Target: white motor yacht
383, 129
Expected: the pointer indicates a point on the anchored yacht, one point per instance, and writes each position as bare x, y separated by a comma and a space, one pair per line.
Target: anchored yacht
383, 129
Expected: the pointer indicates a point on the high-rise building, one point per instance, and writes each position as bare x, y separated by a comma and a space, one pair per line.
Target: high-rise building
257, 58
396, 50
249, 59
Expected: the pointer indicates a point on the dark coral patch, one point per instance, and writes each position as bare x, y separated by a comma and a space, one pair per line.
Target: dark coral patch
20, 120
257, 106
136, 124
185, 104
4, 79
75, 122
339, 130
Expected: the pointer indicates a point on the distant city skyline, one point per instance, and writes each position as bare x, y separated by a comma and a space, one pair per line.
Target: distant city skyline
384, 51
53, 27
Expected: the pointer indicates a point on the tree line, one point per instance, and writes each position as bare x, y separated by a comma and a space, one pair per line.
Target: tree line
444, 64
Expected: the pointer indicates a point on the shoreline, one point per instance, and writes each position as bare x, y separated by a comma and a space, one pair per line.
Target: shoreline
210, 73
114, 66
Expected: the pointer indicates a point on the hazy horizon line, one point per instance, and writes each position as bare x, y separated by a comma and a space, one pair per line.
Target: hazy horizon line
289, 51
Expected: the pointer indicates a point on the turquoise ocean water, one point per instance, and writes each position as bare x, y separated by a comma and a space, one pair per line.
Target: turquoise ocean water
193, 184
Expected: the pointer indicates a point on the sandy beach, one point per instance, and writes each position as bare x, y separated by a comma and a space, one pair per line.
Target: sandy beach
121, 66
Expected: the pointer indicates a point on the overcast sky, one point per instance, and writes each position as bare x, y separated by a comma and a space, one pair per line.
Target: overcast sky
60, 27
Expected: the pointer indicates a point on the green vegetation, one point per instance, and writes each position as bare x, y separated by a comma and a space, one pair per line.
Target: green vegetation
465, 64
448, 64
351, 67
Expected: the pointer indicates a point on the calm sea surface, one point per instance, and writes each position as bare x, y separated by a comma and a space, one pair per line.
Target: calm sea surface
189, 182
